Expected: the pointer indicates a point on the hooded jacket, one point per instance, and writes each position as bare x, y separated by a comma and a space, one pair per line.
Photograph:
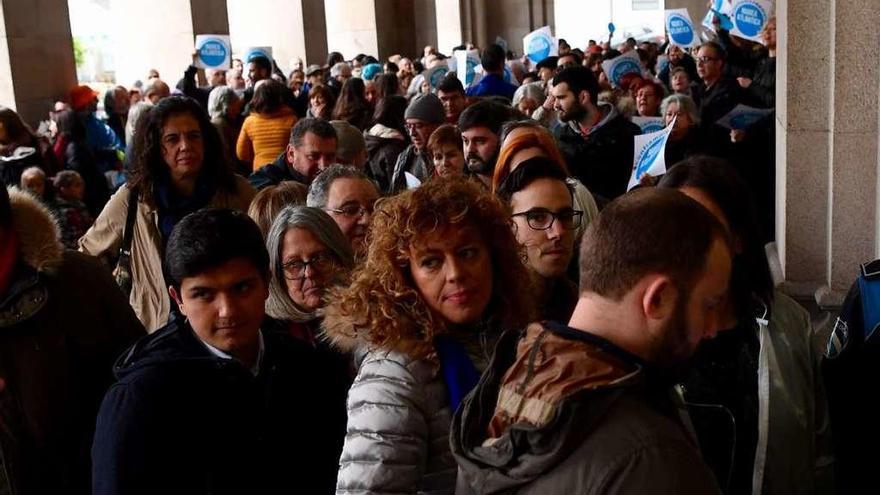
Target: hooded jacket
397, 438
603, 159
63, 321
183, 420
149, 294
562, 411
384, 145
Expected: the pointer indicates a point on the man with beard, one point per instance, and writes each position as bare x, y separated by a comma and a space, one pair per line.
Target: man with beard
480, 126
544, 222
589, 407
596, 140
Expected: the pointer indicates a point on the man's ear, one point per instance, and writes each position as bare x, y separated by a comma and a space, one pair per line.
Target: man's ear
659, 298
290, 153
176, 297
584, 98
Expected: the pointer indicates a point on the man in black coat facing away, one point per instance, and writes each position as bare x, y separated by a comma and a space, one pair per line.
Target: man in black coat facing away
597, 141
217, 403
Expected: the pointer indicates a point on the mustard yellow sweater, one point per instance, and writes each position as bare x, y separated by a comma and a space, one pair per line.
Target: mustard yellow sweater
264, 137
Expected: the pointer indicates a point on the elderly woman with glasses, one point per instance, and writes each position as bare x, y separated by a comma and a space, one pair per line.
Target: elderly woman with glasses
442, 278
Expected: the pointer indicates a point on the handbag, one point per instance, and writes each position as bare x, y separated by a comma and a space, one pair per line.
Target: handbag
122, 272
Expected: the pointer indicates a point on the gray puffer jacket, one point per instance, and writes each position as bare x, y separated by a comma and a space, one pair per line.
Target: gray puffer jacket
397, 437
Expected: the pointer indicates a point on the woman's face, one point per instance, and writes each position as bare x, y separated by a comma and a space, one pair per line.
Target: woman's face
318, 102
647, 101
683, 121
183, 147
426, 87
309, 268
448, 160
452, 271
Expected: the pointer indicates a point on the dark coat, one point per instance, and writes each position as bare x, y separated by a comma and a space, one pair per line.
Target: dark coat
182, 420
614, 431
762, 91
275, 173
716, 102
79, 158
382, 155
603, 160
62, 323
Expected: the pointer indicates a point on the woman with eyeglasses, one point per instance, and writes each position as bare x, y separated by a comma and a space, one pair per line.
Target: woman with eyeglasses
441, 280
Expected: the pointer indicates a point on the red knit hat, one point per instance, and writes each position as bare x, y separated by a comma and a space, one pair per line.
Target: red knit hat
81, 96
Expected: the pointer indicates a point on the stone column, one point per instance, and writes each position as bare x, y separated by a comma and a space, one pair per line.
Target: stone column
160, 34
450, 25
294, 29
36, 56
826, 144
374, 27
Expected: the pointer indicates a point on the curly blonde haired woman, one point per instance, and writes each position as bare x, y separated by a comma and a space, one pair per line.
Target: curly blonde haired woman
442, 277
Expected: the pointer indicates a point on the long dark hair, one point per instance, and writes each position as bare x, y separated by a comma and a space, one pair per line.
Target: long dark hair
386, 85
148, 168
70, 126
390, 111
268, 97
352, 103
328, 98
751, 277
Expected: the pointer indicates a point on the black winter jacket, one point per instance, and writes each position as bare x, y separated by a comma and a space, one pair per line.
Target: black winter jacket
275, 173
382, 156
182, 420
603, 160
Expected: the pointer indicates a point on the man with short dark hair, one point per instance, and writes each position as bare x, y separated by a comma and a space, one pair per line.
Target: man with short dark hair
596, 140
348, 196
312, 148
217, 402
590, 407
719, 93
493, 83
423, 116
547, 69
544, 222
480, 126
570, 59
452, 96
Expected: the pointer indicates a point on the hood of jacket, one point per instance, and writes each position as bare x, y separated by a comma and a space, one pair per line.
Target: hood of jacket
38, 232
536, 403
381, 131
609, 113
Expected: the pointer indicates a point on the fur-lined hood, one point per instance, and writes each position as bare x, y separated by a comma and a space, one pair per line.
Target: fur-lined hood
38, 232
339, 330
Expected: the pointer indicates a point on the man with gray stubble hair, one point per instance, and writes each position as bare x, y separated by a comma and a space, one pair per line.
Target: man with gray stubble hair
347, 195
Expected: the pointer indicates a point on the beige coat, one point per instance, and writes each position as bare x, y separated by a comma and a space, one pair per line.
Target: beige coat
149, 295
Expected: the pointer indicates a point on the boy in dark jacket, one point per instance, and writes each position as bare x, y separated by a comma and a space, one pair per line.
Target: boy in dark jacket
217, 403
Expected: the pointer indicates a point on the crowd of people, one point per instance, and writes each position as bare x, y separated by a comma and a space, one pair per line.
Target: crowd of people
352, 279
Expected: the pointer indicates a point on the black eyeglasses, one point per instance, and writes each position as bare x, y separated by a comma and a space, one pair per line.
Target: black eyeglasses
705, 60
296, 269
541, 219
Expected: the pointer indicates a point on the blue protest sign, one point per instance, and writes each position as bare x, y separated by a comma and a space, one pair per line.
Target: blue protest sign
539, 44
616, 68
649, 157
722, 9
611, 27
648, 124
466, 63
213, 51
258, 51
680, 28
435, 75
743, 116
749, 18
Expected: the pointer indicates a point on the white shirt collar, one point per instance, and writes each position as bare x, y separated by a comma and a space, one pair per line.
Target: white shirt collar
255, 369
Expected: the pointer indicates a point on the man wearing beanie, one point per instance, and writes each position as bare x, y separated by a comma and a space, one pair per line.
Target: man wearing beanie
423, 116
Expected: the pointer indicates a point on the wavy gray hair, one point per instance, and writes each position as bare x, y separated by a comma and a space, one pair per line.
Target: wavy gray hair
685, 104
319, 189
219, 100
279, 305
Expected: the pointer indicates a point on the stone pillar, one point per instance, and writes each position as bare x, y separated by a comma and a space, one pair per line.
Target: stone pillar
374, 27
36, 56
450, 25
294, 29
826, 144
160, 34
425, 13
696, 8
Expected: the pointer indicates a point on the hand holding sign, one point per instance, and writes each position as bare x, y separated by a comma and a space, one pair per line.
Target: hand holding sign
650, 155
617, 67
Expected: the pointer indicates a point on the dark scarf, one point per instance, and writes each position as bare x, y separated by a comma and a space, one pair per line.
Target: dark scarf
172, 207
